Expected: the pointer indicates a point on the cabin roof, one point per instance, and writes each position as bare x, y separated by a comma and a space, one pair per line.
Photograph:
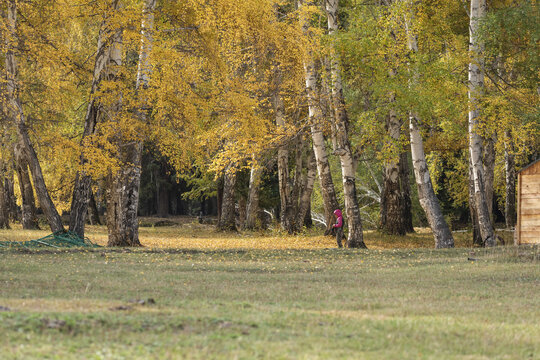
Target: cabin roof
530, 165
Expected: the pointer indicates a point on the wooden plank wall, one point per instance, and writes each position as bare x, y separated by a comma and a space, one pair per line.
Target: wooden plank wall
528, 225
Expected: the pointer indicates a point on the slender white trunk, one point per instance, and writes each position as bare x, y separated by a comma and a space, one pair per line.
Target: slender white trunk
315, 116
355, 237
426, 194
476, 85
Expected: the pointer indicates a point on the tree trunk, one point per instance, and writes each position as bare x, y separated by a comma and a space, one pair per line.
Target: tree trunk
319, 148
489, 171
308, 221
289, 189
392, 220
477, 239
81, 190
128, 179
426, 194
14, 213
4, 204
304, 206
122, 222
355, 237
510, 171
162, 200
476, 85
252, 210
29, 218
17, 114
93, 212
228, 219
283, 168
220, 185
406, 192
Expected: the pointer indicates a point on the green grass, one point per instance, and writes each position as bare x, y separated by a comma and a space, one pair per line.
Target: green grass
270, 304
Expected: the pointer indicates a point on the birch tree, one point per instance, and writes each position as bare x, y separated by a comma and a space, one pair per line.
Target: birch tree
426, 194
476, 84
355, 237
315, 118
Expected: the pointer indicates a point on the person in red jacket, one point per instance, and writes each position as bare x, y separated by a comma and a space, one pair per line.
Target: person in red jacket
338, 226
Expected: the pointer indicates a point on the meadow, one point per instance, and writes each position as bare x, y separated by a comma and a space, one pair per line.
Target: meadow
192, 293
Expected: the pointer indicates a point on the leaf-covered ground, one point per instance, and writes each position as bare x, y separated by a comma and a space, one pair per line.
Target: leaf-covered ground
187, 303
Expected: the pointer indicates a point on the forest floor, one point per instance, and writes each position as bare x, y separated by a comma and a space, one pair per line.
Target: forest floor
184, 302
185, 232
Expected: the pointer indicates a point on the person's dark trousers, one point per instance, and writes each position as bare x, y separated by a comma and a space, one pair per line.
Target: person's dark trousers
339, 235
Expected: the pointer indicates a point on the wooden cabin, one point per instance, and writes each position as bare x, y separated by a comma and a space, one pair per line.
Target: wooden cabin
528, 205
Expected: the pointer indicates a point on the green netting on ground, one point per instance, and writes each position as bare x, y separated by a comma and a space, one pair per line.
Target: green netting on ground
60, 239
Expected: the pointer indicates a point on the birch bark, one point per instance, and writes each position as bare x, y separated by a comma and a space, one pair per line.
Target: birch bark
476, 85
315, 116
355, 237
426, 194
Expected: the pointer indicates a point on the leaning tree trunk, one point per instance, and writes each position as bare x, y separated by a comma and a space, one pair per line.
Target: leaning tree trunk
17, 114
426, 194
28, 213
252, 209
227, 222
510, 172
81, 190
355, 237
476, 85
319, 148
406, 203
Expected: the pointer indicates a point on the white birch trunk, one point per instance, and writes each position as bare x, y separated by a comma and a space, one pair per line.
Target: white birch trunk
355, 237
476, 85
426, 194
319, 148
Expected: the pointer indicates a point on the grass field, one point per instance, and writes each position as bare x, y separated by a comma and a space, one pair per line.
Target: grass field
309, 301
